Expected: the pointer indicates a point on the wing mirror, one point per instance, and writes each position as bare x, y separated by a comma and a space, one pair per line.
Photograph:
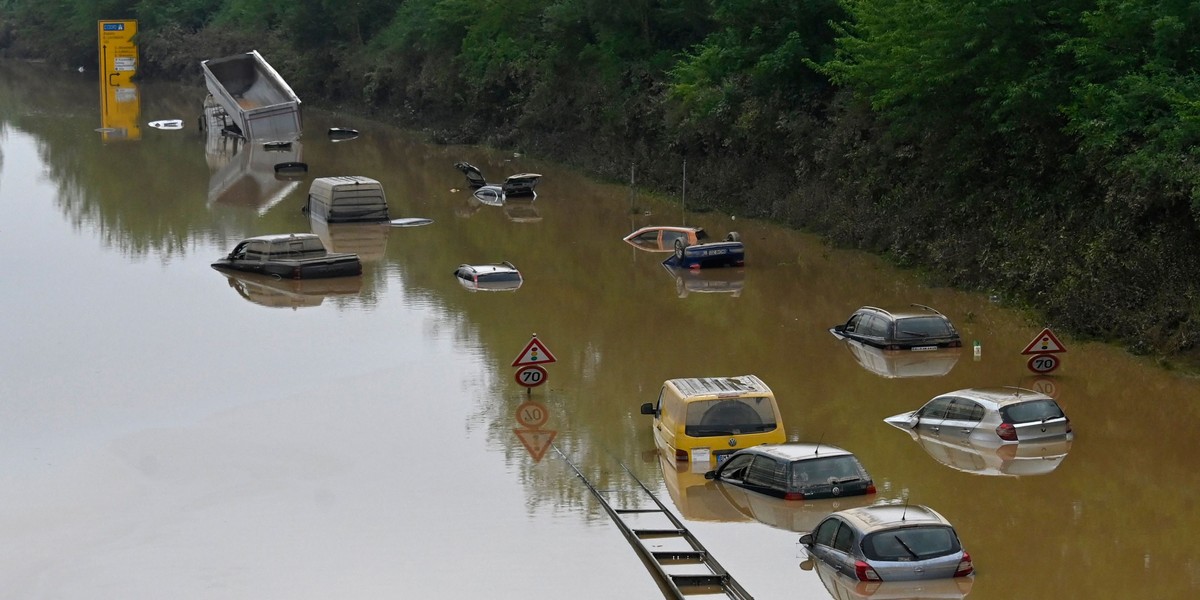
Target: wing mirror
648, 409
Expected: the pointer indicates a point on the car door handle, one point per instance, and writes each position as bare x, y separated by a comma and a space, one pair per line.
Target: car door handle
936, 429
965, 430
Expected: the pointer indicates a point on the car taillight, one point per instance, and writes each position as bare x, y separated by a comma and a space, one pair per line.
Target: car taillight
965, 566
681, 455
892, 347
793, 496
295, 272
864, 572
1068, 426
870, 489
1007, 432
955, 344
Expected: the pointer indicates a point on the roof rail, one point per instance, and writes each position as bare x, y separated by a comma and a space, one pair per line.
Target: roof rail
878, 309
928, 308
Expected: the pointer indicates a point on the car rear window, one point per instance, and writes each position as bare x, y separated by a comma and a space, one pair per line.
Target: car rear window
832, 469
498, 277
911, 543
923, 327
729, 416
1034, 410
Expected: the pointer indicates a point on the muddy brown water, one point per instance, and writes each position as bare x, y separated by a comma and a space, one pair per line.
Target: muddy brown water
170, 431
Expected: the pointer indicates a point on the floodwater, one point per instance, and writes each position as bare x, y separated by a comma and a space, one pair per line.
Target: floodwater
168, 431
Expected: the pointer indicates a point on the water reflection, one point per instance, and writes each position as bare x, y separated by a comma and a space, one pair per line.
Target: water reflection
276, 292
707, 281
367, 240
903, 363
843, 587
522, 210
1015, 460
245, 174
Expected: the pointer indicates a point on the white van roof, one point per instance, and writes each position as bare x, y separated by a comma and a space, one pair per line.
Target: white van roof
329, 183
715, 386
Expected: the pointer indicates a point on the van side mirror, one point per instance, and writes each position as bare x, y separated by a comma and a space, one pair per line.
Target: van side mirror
806, 539
648, 409
710, 475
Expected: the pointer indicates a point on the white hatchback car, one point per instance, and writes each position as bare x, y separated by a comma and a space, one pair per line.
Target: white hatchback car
493, 278
988, 417
889, 542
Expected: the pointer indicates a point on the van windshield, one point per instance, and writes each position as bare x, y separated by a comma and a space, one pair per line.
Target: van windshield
730, 416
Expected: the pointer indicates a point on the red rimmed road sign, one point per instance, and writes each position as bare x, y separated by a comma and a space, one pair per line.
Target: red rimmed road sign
1042, 363
535, 353
530, 376
1044, 343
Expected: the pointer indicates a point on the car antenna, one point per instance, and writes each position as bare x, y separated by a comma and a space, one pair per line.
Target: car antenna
819, 440
904, 512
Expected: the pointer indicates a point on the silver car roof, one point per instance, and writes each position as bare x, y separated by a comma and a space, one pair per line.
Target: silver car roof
996, 397
798, 450
878, 517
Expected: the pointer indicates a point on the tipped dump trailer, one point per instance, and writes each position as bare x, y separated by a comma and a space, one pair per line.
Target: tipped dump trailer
260, 104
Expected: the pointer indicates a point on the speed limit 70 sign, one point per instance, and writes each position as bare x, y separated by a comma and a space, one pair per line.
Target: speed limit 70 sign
1042, 363
531, 376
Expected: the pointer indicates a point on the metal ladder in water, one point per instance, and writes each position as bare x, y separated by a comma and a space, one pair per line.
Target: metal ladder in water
684, 570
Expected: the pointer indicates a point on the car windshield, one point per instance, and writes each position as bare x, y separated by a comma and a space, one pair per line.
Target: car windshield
923, 327
911, 543
829, 470
1035, 410
729, 416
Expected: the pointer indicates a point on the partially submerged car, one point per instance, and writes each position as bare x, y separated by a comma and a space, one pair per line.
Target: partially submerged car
502, 277
706, 419
988, 417
843, 587
290, 256
921, 329
521, 184
889, 542
727, 253
347, 199
796, 471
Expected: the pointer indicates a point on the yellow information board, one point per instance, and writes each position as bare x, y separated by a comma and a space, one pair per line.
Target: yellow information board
120, 105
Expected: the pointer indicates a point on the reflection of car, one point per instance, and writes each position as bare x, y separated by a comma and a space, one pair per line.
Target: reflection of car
522, 211
903, 363
709, 281
889, 542
841, 587
1036, 457
492, 278
661, 238
274, 292
924, 329
988, 417
706, 419
796, 471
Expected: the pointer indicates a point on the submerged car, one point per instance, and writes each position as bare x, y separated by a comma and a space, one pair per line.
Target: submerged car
921, 329
842, 587
889, 542
520, 184
988, 417
502, 277
796, 471
661, 238
729, 252
290, 256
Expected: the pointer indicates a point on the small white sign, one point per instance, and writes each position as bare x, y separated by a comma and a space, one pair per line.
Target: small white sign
701, 455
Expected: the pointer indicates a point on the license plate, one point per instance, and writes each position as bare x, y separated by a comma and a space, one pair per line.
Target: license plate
923, 348
721, 458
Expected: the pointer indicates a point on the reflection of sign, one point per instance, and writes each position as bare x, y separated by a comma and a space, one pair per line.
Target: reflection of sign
1044, 343
532, 415
1042, 363
531, 376
535, 441
1045, 386
535, 352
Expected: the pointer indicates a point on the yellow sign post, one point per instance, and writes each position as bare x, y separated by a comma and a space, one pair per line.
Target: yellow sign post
120, 105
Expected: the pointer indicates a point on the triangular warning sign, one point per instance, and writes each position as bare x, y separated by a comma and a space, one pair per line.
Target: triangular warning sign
1044, 343
535, 352
536, 441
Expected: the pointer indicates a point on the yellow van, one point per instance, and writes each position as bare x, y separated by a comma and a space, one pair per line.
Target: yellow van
705, 419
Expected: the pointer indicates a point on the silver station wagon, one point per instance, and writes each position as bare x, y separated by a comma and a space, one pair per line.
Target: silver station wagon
889, 543
988, 417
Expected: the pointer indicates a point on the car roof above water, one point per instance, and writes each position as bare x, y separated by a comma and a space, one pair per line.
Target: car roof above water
996, 397
798, 450
718, 386
886, 516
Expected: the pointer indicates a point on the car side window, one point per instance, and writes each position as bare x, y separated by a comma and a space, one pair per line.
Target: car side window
735, 469
936, 409
853, 323
669, 237
875, 326
962, 409
766, 472
825, 532
844, 538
